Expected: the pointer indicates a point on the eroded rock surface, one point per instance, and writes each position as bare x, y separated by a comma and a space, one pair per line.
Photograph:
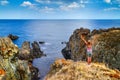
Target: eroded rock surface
13, 68
14, 63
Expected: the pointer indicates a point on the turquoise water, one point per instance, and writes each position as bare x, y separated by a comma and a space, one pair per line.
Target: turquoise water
53, 32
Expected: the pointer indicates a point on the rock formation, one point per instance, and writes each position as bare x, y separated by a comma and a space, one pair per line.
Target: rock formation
14, 69
63, 69
13, 37
106, 46
15, 64
36, 51
28, 53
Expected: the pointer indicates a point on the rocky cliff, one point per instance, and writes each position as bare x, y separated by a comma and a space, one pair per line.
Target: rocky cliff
106, 46
63, 69
12, 67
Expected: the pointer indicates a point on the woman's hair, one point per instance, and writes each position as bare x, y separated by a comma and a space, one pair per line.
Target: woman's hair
89, 42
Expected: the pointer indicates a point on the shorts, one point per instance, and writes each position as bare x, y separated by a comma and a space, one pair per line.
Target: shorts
89, 54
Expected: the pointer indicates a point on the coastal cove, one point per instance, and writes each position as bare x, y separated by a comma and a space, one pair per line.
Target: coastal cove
52, 32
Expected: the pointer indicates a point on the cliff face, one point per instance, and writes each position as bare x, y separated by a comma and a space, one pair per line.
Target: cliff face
106, 46
11, 68
63, 69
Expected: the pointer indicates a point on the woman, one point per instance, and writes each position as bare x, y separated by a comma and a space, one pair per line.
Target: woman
89, 48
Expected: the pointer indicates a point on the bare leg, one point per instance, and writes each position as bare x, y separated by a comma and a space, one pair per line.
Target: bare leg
89, 60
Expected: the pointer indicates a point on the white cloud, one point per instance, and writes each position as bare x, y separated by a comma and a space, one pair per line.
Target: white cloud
84, 1
49, 2
47, 10
112, 8
71, 6
4, 2
27, 4
107, 1
43, 1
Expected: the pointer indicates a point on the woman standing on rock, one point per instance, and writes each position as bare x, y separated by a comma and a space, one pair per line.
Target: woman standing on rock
89, 48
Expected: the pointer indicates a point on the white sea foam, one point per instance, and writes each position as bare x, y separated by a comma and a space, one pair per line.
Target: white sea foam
47, 43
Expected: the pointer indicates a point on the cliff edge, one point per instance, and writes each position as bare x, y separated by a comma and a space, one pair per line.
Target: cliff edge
63, 69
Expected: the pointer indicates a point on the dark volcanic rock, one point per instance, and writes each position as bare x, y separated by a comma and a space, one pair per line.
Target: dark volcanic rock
106, 46
41, 42
13, 37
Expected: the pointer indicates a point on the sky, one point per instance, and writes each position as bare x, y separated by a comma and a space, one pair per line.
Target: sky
59, 9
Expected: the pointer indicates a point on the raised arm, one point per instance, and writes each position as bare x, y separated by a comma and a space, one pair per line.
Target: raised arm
83, 39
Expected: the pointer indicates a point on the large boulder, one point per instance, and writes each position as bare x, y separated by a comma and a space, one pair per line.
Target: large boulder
106, 46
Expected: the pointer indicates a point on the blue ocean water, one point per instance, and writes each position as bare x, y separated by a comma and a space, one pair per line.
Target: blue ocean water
53, 32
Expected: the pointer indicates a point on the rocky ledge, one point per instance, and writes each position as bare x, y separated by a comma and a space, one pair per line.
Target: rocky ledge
63, 69
106, 46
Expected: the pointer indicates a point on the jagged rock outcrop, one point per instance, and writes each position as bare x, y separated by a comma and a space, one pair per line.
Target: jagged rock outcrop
28, 53
106, 46
9, 63
36, 51
13, 37
63, 69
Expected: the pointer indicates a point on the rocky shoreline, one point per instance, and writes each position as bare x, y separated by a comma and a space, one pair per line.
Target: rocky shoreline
16, 64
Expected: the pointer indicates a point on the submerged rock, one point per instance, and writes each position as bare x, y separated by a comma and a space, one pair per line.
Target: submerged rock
13, 37
106, 46
41, 42
63, 69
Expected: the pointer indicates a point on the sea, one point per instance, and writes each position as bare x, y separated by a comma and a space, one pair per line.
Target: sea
52, 32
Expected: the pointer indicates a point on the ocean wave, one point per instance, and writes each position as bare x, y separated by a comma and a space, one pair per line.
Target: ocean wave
47, 43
